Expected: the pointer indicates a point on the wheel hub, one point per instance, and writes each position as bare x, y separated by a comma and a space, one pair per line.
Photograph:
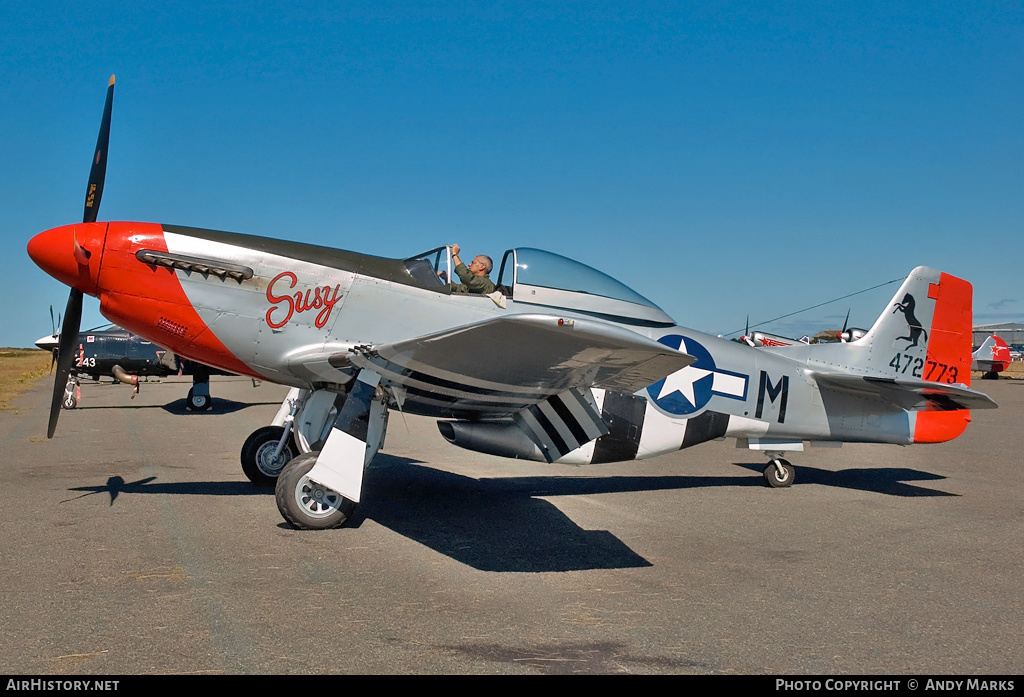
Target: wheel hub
316, 500
270, 465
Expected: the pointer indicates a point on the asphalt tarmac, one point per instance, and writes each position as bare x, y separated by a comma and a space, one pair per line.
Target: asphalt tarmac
133, 544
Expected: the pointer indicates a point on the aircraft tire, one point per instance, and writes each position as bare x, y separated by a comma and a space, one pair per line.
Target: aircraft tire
306, 505
69, 401
258, 452
774, 480
199, 402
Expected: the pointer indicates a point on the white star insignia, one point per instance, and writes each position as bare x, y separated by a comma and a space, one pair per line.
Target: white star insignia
682, 381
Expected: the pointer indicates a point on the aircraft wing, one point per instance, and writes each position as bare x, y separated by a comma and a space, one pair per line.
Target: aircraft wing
913, 395
499, 366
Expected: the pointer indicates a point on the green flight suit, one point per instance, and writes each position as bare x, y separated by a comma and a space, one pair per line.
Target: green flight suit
471, 283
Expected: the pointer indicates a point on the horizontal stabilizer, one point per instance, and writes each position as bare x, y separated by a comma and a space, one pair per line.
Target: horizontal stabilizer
912, 395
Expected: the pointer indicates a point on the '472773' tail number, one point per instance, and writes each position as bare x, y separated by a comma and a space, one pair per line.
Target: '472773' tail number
903, 364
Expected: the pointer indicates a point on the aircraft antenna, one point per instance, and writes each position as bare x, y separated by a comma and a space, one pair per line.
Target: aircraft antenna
813, 307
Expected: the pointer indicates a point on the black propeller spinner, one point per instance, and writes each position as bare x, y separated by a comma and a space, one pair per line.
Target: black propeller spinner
73, 312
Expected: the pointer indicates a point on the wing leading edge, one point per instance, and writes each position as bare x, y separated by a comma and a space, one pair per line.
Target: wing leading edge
499, 366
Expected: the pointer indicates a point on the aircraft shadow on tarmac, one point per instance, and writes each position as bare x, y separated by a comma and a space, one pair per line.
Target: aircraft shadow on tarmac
217, 406
116, 485
503, 524
179, 407
497, 524
491, 524
880, 480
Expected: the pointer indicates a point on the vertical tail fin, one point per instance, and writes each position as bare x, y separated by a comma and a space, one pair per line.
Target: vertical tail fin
925, 333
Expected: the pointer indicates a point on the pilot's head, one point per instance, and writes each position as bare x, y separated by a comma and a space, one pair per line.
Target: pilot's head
481, 266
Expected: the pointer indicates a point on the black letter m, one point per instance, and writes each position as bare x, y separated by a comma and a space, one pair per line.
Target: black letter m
773, 393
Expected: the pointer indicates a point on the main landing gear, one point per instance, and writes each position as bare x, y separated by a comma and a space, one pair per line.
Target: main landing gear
265, 453
306, 504
779, 473
320, 489
303, 420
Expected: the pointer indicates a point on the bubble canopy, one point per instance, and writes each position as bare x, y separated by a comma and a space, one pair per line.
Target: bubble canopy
545, 278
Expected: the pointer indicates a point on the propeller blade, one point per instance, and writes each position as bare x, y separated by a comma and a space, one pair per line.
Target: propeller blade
842, 335
94, 190
65, 355
53, 327
73, 313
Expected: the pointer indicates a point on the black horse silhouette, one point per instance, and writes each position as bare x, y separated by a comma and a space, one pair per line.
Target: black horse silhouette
916, 330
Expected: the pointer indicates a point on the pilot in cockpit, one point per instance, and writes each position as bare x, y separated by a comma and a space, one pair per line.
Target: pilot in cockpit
474, 277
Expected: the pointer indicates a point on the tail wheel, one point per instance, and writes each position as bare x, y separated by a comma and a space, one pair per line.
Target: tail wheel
779, 474
306, 504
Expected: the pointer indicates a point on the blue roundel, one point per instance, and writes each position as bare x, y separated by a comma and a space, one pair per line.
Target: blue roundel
689, 389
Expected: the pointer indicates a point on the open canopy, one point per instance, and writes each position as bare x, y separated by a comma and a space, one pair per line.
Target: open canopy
537, 277
544, 278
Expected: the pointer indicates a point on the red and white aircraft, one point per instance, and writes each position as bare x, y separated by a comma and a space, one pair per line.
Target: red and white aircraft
992, 357
561, 364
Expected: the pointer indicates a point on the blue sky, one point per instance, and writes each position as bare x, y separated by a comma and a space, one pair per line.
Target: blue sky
723, 159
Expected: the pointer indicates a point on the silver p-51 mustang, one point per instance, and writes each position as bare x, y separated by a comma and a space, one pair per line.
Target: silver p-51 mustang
561, 364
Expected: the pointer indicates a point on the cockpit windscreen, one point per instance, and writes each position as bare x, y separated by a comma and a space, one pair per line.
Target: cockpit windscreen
430, 268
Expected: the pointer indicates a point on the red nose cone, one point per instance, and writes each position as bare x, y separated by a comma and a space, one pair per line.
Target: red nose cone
71, 254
